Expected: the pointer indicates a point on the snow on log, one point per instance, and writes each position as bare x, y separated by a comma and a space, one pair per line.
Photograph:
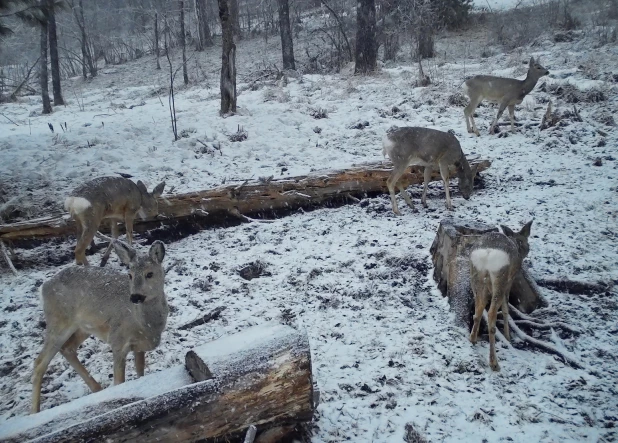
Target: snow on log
451, 260
262, 197
262, 377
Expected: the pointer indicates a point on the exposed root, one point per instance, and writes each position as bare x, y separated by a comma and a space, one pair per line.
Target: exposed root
547, 347
526, 320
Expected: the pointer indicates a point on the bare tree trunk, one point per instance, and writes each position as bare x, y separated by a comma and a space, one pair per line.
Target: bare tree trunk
366, 47
53, 52
234, 17
424, 29
43, 75
183, 42
88, 63
203, 30
287, 45
156, 31
228, 60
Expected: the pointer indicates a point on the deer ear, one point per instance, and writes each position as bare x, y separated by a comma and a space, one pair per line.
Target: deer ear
507, 231
158, 190
525, 231
531, 63
157, 251
141, 186
125, 252
475, 170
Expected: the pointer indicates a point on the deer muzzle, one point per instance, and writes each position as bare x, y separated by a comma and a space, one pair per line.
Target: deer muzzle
137, 298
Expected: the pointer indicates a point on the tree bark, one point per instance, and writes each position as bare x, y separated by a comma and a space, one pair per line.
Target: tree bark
451, 260
203, 30
156, 33
283, 195
53, 53
235, 18
366, 47
43, 74
228, 61
87, 57
287, 44
262, 377
183, 42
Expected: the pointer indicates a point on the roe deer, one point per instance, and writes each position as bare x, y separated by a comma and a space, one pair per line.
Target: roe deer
113, 198
128, 312
429, 148
495, 259
507, 92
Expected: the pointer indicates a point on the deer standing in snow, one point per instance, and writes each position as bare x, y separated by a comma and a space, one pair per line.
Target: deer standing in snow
127, 311
495, 260
113, 198
506, 92
429, 148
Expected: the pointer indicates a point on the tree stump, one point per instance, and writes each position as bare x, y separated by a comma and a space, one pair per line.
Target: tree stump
450, 253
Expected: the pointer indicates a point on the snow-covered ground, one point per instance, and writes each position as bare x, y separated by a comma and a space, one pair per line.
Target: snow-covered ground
385, 351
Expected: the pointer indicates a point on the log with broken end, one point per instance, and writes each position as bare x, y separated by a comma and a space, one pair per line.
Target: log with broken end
245, 200
262, 377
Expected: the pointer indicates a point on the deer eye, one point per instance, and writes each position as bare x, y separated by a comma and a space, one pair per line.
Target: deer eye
130, 276
149, 275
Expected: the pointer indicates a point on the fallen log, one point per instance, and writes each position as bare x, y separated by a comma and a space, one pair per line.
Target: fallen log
451, 259
247, 199
262, 377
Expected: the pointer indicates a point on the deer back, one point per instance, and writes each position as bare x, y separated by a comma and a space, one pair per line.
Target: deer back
421, 146
113, 197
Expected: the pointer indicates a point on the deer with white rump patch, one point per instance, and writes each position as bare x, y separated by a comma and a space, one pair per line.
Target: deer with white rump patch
495, 260
506, 92
113, 198
429, 148
127, 311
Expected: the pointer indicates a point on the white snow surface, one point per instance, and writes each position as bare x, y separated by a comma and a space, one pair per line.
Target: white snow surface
357, 278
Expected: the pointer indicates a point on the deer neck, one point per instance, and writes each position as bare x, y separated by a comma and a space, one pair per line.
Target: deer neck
529, 83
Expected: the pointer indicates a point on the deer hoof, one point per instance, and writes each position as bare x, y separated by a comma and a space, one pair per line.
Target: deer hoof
473, 339
494, 366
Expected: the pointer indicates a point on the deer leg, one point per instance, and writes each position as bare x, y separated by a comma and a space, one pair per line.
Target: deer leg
69, 351
505, 316
492, 315
500, 112
82, 243
113, 224
391, 182
512, 116
120, 364
479, 288
469, 114
426, 178
53, 343
128, 224
140, 362
445, 178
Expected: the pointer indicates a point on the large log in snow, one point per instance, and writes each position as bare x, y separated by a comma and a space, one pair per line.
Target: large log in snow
450, 253
247, 199
262, 377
